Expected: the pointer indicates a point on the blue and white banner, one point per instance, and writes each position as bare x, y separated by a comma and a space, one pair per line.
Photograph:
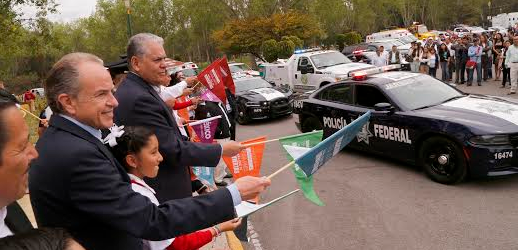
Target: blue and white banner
317, 156
205, 175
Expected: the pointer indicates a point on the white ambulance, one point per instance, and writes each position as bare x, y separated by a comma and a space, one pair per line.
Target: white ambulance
308, 70
388, 35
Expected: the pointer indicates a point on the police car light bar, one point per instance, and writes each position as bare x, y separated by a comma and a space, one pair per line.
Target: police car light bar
300, 51
362, 74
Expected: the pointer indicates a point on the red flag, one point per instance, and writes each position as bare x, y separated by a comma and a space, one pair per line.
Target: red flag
227, 75
213, 78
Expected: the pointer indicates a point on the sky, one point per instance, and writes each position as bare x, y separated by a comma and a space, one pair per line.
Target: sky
68, 10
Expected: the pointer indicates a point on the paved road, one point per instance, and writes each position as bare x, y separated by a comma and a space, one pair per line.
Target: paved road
373, 203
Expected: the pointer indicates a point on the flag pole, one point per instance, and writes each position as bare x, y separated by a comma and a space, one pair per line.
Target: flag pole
27, 111
260, 142
196, 84
280, 138
281, 169
188, 122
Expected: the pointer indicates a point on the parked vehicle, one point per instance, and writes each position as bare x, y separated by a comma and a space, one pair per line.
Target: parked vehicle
38, 91
311, 69
420, 120
257, 99
241, 68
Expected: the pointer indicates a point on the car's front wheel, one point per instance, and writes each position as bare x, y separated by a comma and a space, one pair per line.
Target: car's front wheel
443, 160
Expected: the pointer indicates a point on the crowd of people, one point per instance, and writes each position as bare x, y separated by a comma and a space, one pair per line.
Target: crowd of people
96, 185
489, 56
459, 58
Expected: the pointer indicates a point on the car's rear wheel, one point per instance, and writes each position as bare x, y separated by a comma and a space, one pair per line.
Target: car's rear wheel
443, 160
310, 123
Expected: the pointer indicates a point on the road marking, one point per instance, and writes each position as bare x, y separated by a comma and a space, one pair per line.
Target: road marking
254, 237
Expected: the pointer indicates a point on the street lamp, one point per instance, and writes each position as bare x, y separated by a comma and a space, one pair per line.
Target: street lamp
489, 10
127, 3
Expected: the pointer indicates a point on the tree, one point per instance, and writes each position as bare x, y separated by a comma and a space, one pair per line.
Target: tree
270, 50
247, 35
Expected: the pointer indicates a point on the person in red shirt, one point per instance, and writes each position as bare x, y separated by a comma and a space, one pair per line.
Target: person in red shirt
29, 98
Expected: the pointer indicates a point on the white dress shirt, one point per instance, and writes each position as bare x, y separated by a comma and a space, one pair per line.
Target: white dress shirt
512, 56
173, 92
4, 230
379, 61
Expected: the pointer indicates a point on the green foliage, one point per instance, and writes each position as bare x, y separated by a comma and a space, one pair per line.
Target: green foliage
285, 48
270, 50
202, 30
295, 40
352, 37
340, 41
247, 35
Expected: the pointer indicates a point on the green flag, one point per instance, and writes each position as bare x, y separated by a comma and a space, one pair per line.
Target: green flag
306, 140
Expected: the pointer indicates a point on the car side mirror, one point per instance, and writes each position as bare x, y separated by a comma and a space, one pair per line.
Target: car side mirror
384, 107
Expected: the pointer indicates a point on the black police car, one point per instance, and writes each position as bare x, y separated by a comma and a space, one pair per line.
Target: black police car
420, 120
258, 99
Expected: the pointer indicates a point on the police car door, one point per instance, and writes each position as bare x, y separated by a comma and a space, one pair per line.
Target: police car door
334, 104
300, 80
388, 132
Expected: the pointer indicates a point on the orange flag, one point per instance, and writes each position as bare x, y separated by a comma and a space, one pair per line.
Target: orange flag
247, 162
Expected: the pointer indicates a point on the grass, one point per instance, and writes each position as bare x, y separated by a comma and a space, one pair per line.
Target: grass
32, 122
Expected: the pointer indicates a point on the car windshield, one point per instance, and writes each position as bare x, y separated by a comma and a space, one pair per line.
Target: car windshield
396, 42
252, 83
422, 29
190, 72
239, 68
235, 69
409, 38
421, 92
329, 59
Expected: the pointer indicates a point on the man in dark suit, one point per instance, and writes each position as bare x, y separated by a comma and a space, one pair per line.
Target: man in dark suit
15, 154
140, 104
77, 184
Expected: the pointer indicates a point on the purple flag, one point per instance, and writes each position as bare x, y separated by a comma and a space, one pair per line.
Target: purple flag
209, 96
206, 128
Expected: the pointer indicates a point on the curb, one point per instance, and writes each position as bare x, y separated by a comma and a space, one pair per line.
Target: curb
233, 241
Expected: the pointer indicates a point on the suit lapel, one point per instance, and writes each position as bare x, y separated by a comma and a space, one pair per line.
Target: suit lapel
170, 119
64, 124
16, 220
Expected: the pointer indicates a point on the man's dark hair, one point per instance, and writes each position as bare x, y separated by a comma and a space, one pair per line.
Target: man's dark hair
4, 136
4, 94
41, 239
